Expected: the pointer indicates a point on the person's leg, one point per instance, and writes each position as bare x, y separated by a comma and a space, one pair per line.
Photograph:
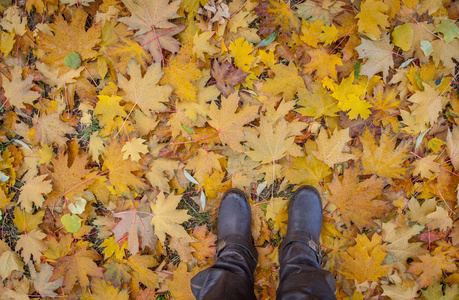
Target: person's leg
301, 276
231, 276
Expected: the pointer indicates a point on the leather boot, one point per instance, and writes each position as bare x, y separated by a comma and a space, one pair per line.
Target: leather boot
231, 276
301, 276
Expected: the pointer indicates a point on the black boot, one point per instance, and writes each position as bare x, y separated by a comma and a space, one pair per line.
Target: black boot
231, 276
301, 276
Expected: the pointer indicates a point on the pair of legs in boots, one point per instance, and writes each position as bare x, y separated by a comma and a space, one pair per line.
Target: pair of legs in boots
301, 277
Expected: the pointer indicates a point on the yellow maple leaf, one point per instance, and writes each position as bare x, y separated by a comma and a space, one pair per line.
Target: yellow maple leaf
167, 218
274, 141
120, 176
133, 147
32, 191
363, 261
385, 160
241, 51
114, 248
181, 74
330, 150
201, 44
371, 16
204, 162
17, 91
229, 123
323, 64
109, 107
287, 81
277, 210
429, 104
144, 91
160, 172
307, 170
179, 286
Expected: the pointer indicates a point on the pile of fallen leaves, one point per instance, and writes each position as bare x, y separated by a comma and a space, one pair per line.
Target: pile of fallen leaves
124, 121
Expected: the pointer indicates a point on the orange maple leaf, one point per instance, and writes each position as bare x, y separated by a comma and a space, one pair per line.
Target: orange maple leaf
77, 267
120, 174
354, 199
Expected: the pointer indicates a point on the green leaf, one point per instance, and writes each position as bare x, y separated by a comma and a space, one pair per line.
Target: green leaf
72, 60
449, 30
188, 129
71, 222
268, 40
426, 47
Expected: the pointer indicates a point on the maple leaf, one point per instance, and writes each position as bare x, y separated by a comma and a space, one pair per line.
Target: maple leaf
386, 103
277, 13
133, 147
67, 181
371, 16
32, 191
31, 244
124, 51
179, 286
363, 261
274, 141
101, 289
181, 73
151, 20
227, 76
204, 162
201, 44
323, 64
398, 236
118, 273
109, 107
378, 54
144, 91
287, 81
149, 14
141, 273
77, 267
136, 224
17, 91
161, 170
112, 247
241, 50
431, 266
41, 280
120, 174
228, 123
68, 38
167, 218
316, 103
205, 244
307, 170
354, 199
429, 104
330, 150
49, 129
10, 261
386, 160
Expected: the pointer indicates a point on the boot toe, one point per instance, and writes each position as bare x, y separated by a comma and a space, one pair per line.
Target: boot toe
305, 212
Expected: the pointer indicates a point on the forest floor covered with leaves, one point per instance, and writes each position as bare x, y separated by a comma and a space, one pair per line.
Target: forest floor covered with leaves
123, 123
